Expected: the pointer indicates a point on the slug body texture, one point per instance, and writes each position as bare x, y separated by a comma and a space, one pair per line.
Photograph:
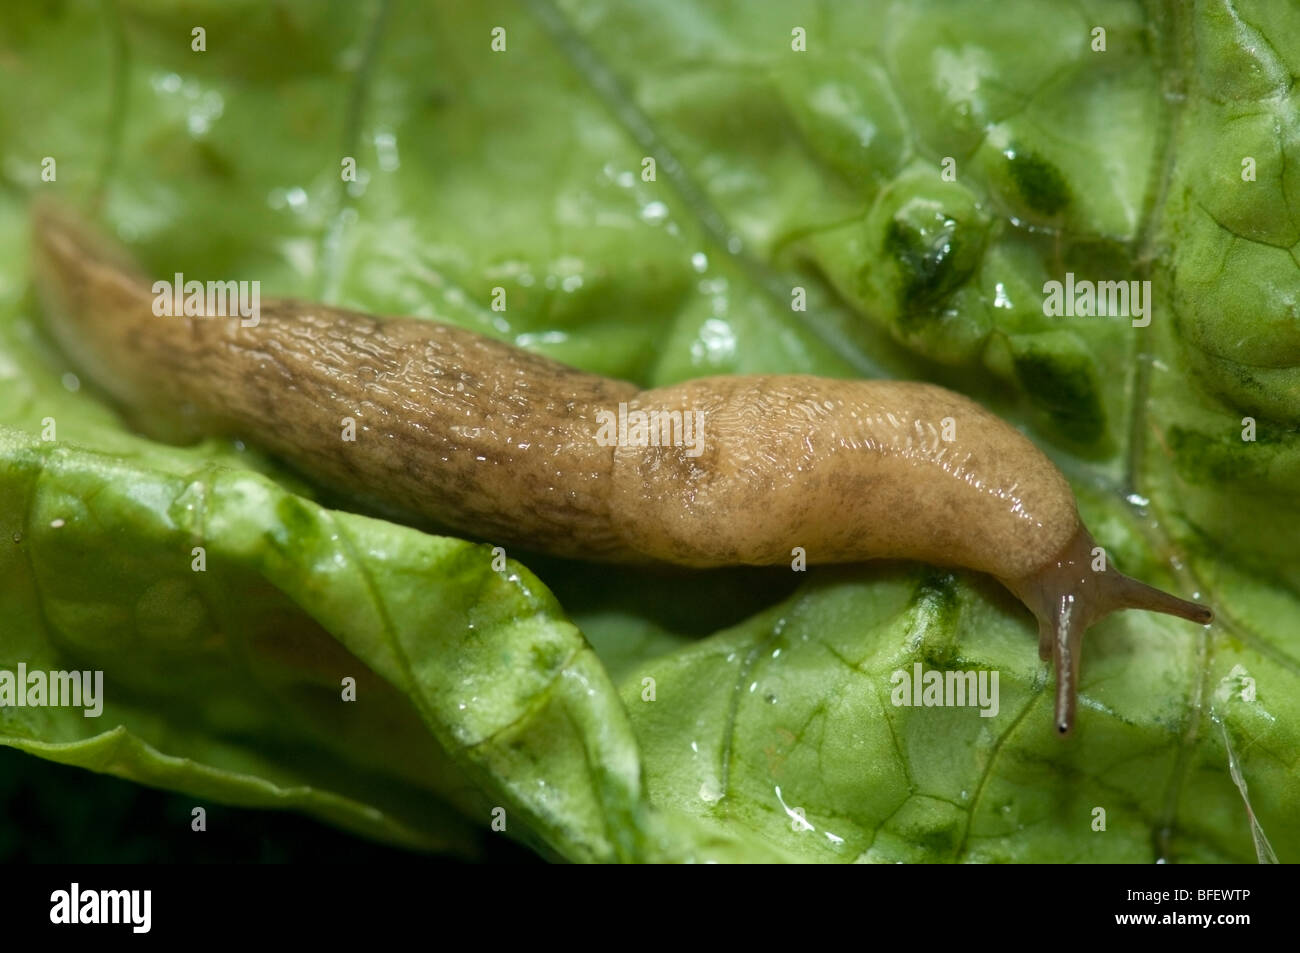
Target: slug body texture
848, 470
474, 435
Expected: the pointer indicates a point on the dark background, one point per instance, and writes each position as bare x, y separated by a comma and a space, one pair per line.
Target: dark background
54, 813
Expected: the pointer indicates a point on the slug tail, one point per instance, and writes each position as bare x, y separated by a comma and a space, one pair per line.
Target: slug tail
99, 308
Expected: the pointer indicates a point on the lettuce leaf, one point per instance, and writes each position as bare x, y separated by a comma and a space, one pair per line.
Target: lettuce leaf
607, 714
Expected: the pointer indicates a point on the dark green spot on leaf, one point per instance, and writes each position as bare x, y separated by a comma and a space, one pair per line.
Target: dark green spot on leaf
1065, 386
1039, 182
933, 260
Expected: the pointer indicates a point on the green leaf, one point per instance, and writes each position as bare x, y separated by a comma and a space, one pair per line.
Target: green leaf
919, 171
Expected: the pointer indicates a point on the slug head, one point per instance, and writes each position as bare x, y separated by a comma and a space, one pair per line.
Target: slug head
1067, 596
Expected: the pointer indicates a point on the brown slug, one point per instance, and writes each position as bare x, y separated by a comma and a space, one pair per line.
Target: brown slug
500, 443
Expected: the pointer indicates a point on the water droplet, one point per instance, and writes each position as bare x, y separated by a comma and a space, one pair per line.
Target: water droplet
716, 343
386, 146
654, 213
71, 382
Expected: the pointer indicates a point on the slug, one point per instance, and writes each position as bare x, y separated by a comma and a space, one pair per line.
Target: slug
500, 443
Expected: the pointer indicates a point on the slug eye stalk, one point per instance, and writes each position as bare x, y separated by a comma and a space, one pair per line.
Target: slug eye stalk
1068, 596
